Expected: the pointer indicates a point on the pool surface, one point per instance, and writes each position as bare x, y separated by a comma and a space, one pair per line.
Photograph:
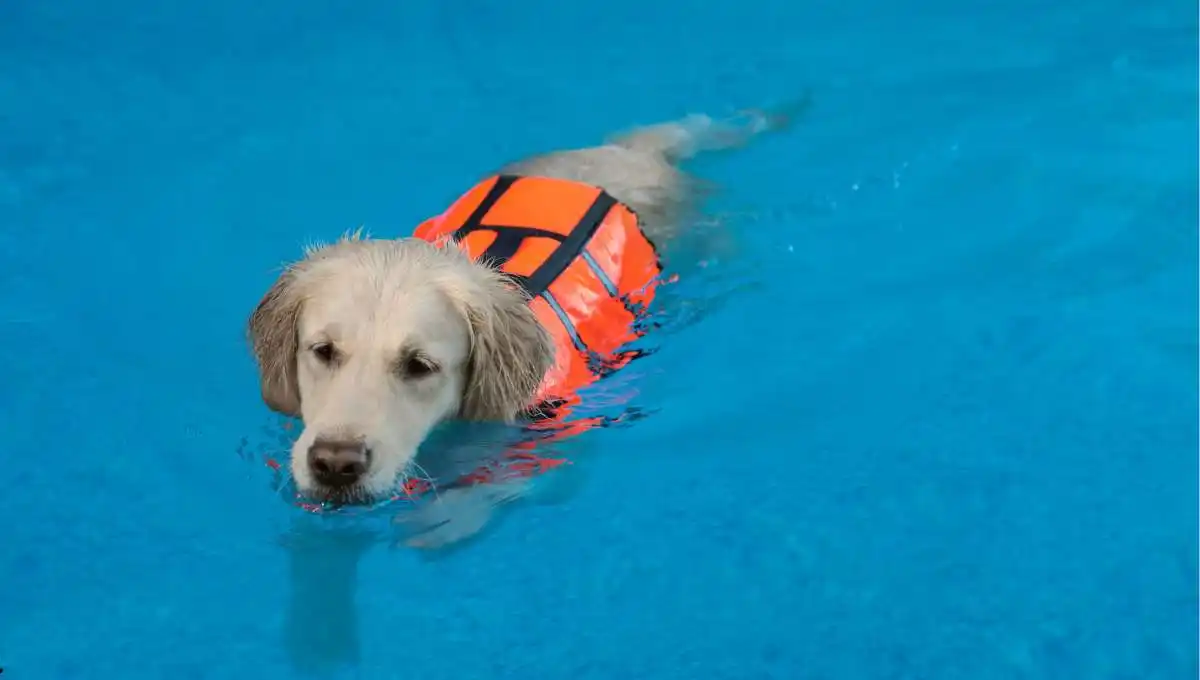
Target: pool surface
936, 417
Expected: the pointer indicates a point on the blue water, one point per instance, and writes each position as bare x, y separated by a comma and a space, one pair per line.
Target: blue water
936, 418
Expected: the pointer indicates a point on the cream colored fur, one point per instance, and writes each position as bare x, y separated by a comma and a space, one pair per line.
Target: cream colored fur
375, 306
378, 302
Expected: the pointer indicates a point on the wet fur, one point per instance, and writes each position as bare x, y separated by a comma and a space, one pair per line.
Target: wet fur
382, 295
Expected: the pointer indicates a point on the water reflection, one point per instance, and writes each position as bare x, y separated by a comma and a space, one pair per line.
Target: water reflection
321, 624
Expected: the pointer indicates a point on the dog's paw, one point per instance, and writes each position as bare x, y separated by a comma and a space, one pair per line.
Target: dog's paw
454, 515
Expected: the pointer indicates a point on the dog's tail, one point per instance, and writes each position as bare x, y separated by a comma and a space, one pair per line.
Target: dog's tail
679, 140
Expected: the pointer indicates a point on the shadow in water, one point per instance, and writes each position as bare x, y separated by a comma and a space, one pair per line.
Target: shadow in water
321, 626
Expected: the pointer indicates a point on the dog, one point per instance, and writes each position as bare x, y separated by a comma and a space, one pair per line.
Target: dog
372, 343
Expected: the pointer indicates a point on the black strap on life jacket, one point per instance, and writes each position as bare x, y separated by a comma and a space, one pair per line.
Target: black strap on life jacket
571, 246
509, 238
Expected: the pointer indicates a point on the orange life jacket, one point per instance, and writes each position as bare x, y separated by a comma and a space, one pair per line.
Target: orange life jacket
589, 272
579, 255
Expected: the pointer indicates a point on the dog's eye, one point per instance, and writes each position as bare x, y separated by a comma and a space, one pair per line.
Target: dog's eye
323, 351
415, 367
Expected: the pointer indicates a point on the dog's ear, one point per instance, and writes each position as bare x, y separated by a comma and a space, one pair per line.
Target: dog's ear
272, 330
510, 353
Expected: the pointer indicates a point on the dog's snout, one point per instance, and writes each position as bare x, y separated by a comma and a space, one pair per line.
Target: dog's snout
337, 462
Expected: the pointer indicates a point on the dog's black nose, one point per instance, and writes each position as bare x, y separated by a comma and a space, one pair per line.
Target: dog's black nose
338, 463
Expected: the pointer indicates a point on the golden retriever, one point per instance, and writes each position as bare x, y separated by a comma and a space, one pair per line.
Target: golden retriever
374, 342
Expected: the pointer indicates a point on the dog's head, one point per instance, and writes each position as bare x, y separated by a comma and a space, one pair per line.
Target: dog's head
372, 343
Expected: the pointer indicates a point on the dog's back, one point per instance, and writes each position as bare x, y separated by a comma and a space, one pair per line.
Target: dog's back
641, 167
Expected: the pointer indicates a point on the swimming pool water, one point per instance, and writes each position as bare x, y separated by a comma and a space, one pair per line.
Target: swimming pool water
936, 419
